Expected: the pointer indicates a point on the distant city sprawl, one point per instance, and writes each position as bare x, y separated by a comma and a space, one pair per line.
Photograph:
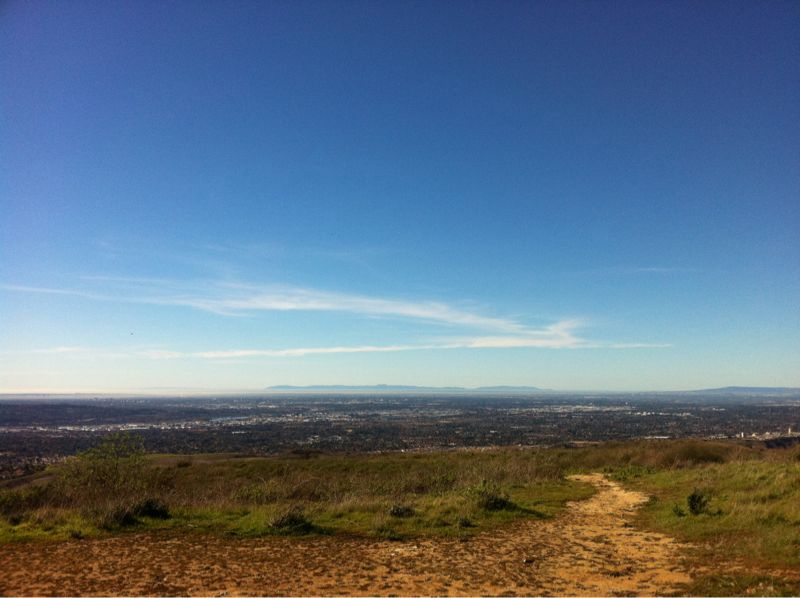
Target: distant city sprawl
36, 433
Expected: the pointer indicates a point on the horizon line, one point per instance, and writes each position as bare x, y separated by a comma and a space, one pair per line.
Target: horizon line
333, 389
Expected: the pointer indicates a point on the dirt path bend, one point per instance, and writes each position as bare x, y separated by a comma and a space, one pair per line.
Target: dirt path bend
590, 550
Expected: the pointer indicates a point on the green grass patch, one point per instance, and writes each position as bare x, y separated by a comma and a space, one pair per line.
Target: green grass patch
747, 511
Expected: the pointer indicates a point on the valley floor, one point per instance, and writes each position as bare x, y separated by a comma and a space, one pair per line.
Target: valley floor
591, 549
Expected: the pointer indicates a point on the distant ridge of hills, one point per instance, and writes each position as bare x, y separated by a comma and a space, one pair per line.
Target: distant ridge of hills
762, 391
758, 393
404, 388
756, 390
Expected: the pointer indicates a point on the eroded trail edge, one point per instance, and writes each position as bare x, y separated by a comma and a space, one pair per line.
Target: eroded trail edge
590, 550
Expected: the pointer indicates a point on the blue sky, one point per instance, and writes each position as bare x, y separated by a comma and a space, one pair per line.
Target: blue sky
233, 195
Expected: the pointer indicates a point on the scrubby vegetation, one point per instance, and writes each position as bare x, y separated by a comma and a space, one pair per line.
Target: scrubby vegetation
742, 515
736, 502
107, 487
115, 486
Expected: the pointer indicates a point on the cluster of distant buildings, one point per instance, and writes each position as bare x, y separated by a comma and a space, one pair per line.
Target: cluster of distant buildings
770, 435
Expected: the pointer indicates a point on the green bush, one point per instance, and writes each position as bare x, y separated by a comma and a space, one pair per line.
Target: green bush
697, 502
16, 503
112, 484
464, 522
487, 496
151, 507
401, 511
111, 471
291, 522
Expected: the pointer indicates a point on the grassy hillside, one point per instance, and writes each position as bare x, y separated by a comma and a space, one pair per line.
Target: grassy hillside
743, 517
116, 488
739, 504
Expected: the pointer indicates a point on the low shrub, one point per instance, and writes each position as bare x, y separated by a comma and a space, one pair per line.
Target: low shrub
697, 502
113, 516
113, 479
487, 496
387, 532
464, 522
291, 522
15, 503
401, 511
151, 507
114, 468
14, 519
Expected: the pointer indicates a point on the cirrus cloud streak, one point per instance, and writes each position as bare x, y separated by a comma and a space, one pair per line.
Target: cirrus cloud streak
237, 299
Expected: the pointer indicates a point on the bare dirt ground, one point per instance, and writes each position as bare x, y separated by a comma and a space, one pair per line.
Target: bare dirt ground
592, 549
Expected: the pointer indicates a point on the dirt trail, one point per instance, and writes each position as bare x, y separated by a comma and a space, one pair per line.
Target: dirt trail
591, 550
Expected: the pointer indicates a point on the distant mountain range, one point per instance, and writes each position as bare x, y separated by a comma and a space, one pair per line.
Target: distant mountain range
764, 391
403, 388
757, 393
750, 390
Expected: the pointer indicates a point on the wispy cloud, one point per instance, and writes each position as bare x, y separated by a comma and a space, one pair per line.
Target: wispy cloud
232, 299
236, 299
477, 343
160, 354
557, 336
54, 351
637, 345
250, 299
561, 335
18, 288
631, 270
64, 350
300, 351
